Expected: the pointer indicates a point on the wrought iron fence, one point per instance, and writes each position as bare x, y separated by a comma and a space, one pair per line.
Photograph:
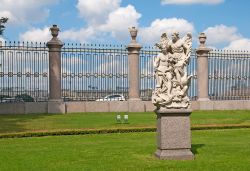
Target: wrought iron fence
229, 75
147, 82
147, 55
192, 70
91, 72
23, 72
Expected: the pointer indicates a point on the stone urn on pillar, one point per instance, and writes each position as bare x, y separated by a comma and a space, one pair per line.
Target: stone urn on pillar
202, 69
133, 61
133, 33
55, 103
202, 39
54, 46
54, 31
170, 97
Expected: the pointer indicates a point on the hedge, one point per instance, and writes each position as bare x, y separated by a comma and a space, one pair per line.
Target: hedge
108, 131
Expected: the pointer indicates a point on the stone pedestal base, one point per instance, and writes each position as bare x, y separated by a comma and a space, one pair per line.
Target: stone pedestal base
180, 154
174, 134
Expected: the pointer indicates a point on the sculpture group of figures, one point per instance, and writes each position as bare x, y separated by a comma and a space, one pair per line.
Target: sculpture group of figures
170, 68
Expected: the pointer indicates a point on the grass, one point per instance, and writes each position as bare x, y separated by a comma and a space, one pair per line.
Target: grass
221, 117
215, 150
49, 122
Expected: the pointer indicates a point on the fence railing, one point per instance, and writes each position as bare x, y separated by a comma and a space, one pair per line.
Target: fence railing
23, 72
147, 82
229, 75
192, 70
91, 72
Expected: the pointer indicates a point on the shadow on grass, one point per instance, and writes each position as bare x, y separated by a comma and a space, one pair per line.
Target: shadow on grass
195, 148
17, 122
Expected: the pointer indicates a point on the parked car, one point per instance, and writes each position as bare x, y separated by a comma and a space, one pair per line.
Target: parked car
67, 99
112, 97
11, 100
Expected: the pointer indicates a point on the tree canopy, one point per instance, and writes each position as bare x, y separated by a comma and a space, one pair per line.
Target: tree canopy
3, 20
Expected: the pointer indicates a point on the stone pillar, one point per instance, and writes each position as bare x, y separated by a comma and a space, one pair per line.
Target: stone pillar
55, 104
173, 134
54, 46
202, 70
133, 65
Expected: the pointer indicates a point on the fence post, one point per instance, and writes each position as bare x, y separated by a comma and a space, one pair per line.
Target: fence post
133, 65
202, 68
55, 46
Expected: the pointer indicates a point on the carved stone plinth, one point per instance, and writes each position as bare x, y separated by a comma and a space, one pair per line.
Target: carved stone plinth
173, 134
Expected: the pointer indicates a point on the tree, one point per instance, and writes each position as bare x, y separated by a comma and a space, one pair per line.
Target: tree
4, 96
25, 98
3, 21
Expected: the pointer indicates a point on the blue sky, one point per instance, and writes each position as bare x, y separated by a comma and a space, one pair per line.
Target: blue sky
106, 21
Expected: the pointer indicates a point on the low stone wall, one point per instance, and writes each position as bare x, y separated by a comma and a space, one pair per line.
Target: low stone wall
125, 106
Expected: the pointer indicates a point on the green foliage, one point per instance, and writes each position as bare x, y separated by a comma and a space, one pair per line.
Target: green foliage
108, 131
3, 20
75, 132
4, 96
25, 97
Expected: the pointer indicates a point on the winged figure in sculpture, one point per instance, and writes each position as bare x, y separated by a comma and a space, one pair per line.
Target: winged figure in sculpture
170, 68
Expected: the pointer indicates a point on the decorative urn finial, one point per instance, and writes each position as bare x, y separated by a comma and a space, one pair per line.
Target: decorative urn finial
202, 39
54, 31
133, 32
54, 41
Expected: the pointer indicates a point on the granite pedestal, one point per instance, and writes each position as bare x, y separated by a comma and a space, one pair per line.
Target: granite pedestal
173, 134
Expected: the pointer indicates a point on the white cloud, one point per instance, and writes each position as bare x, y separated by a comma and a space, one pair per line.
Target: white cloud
240, 44
116, 22
81, 35
96, 12
221, 34
108, 21
184, 2
7, 14
152, 34
119, 21
44, 35
36, 35
25, 11
226, 37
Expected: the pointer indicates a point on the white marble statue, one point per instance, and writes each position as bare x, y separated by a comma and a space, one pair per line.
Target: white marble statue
172, 81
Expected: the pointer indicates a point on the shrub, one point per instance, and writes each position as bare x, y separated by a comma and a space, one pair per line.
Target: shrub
25, 97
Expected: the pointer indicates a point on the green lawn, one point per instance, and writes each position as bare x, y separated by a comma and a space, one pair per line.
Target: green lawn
215, 150
49, 122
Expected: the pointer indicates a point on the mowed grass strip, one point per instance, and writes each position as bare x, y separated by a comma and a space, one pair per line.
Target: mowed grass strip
214, 150
57, 122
